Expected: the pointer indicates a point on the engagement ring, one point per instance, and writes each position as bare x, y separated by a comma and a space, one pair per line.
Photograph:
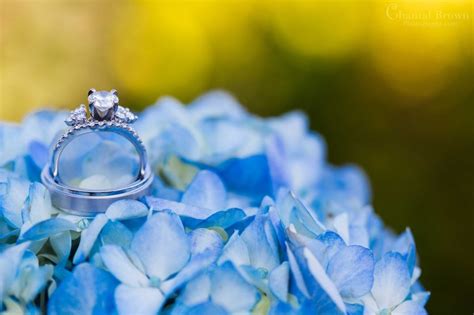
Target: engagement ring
100, 159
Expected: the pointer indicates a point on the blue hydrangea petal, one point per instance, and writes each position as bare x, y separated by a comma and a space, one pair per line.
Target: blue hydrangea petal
293, 212
205, 308
281, 308
351, 269
179, 208
391, 280
297, 273
228, 137
347, 185
216, 104
249, 176
206, 191
61, 244
119, 264
116, 233
231, 291
39, 153
88, 290
278, 281
206, 247
196, 291
409, 308
323, 280
257, 277
261, 243
162, 245
405, 245
236, 251
13, 195
354, 309
43, 126
10, 147
138, 301
223, 219
176, 139
421, 297
38, 204
10, 259
126, 209
34, 280
341, 226
88, 238
47, 228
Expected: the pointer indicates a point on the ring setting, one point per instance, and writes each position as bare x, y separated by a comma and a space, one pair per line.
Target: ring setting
102, 115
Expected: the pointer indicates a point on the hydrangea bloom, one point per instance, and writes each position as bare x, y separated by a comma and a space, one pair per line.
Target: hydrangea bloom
246, 216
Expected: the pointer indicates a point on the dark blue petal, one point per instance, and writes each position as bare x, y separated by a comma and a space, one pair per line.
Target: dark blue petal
88, 290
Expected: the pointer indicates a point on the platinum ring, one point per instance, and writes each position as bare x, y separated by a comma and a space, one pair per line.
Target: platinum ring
103, 114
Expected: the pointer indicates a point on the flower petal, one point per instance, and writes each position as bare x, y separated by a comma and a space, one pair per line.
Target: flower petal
322, 278
162, 245
13, 195
278, 281
138, 301
293, 212
231, 291
206, 246
48, 228
88, 290
351, 269
235, 251
391, 280
61, 244
118, 263
261, 243
9, 262
205, 308
88, 238
409, 308
206, 191
179, 208
126, 209
196, 291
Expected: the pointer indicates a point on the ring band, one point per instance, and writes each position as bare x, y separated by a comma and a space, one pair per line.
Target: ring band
105, 116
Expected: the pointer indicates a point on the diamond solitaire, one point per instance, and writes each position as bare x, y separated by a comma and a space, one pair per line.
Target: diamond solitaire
103, 104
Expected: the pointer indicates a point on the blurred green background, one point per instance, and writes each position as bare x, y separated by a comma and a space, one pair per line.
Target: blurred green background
389, 85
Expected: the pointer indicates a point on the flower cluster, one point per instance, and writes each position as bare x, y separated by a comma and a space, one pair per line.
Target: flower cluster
245, 216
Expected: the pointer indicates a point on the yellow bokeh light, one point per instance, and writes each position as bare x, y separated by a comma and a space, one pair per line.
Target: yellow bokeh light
414, 48
161, 48
325, 29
